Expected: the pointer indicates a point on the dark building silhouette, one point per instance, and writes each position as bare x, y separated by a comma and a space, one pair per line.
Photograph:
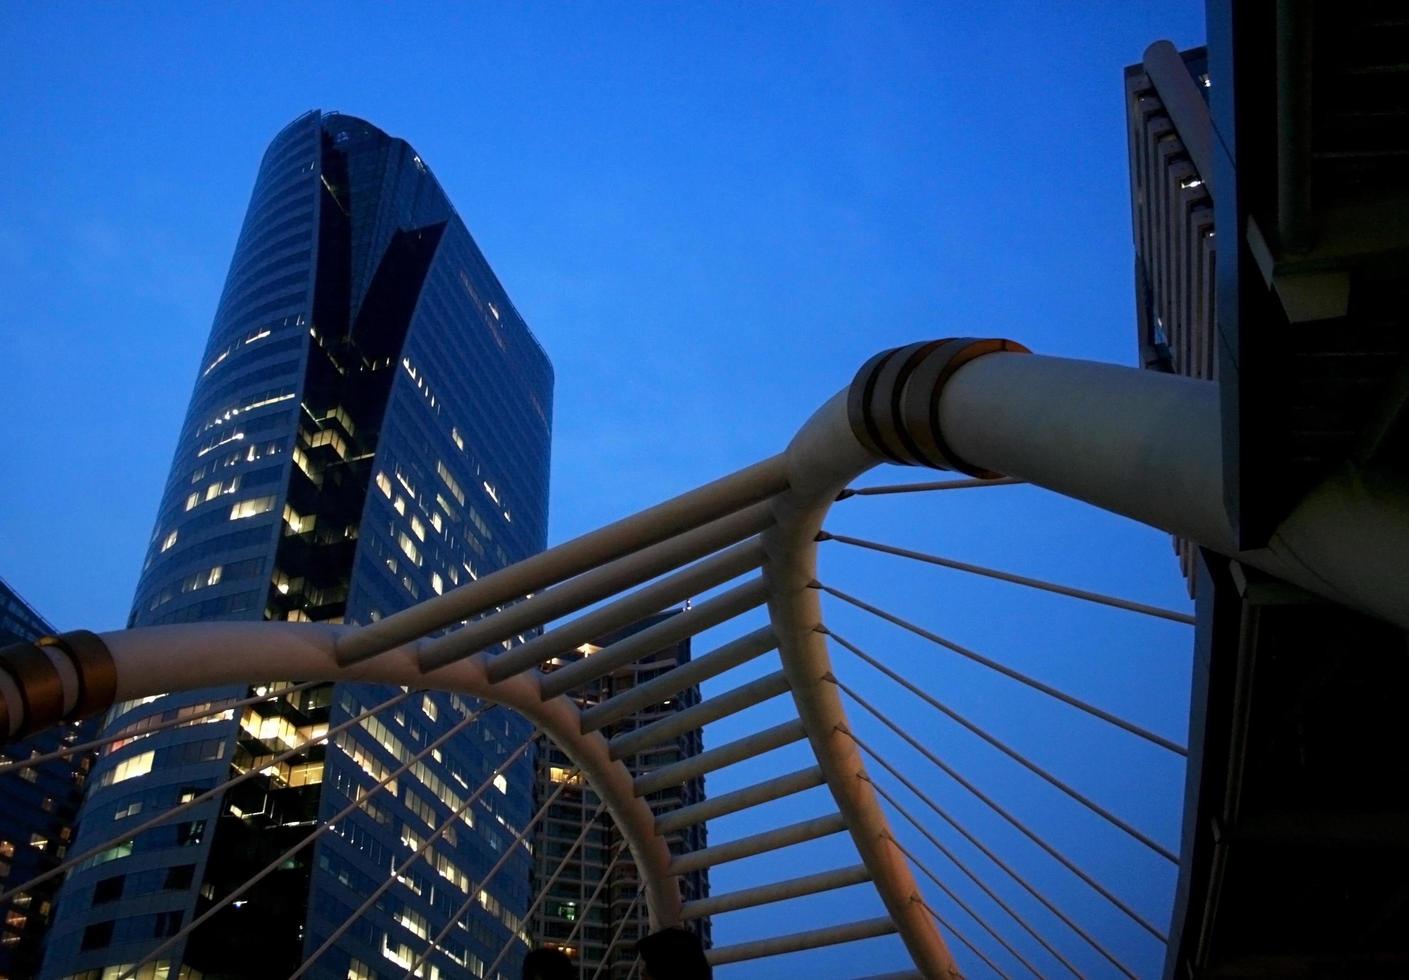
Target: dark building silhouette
1286, 136
370, 426
38, 809
568, 918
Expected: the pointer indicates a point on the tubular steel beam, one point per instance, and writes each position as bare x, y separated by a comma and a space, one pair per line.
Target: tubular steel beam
700, 577
671, 683
824, 457
761, 843
683, 513
777, 891
1148, 446
726, 755
668, 632
712, 709
741, 799
796, 942
589, 587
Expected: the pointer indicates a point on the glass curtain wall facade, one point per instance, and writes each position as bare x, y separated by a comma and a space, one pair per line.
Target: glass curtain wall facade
569, 917
370, 426
38, 807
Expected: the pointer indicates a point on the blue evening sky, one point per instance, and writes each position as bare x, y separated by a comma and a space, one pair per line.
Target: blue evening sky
710, 215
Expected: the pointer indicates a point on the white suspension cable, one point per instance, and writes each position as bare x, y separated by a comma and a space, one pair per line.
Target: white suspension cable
1033, 583
1028, 832
488, 876
1006, 671
322, 828
1007, 750
963, 905
416, 855
176, 722
616, 936
553, 880
214, 791
987, 852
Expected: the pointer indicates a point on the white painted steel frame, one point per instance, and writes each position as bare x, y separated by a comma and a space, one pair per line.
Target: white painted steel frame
1137, 443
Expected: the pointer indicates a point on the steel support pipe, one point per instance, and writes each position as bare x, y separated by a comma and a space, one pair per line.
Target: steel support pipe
725, 755
825, 456
675, 680
711, 709
1148, 446
798, 941
761, 843
777, 891
589, 587
668, 632
659, 523
1137, 443
740, 799
699, 577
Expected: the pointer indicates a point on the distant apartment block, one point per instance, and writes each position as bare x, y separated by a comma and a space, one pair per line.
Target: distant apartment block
569, 917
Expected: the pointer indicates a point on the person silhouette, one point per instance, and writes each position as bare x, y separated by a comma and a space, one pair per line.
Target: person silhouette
548, 963
673, 954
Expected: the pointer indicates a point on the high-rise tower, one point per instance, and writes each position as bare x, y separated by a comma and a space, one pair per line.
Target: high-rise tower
37, 811
592, 911
370, 425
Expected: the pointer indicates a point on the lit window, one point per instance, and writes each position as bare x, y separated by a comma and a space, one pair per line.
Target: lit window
384, 484
455, 437
137, 765
298, 523
329, 437
417, 528
170, 540
251, 507
415, 922
400, 505
450, 482
192, 500
408, 547
428, 706
437, 583
501, 784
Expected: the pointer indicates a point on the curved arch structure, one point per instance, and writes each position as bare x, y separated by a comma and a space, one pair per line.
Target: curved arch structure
1140, 444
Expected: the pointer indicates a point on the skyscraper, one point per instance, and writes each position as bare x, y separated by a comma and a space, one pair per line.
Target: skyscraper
1168, 133
593, 899
38, 807
370, 425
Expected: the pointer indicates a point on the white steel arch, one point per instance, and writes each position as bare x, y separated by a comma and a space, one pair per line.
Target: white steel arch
1137, 443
